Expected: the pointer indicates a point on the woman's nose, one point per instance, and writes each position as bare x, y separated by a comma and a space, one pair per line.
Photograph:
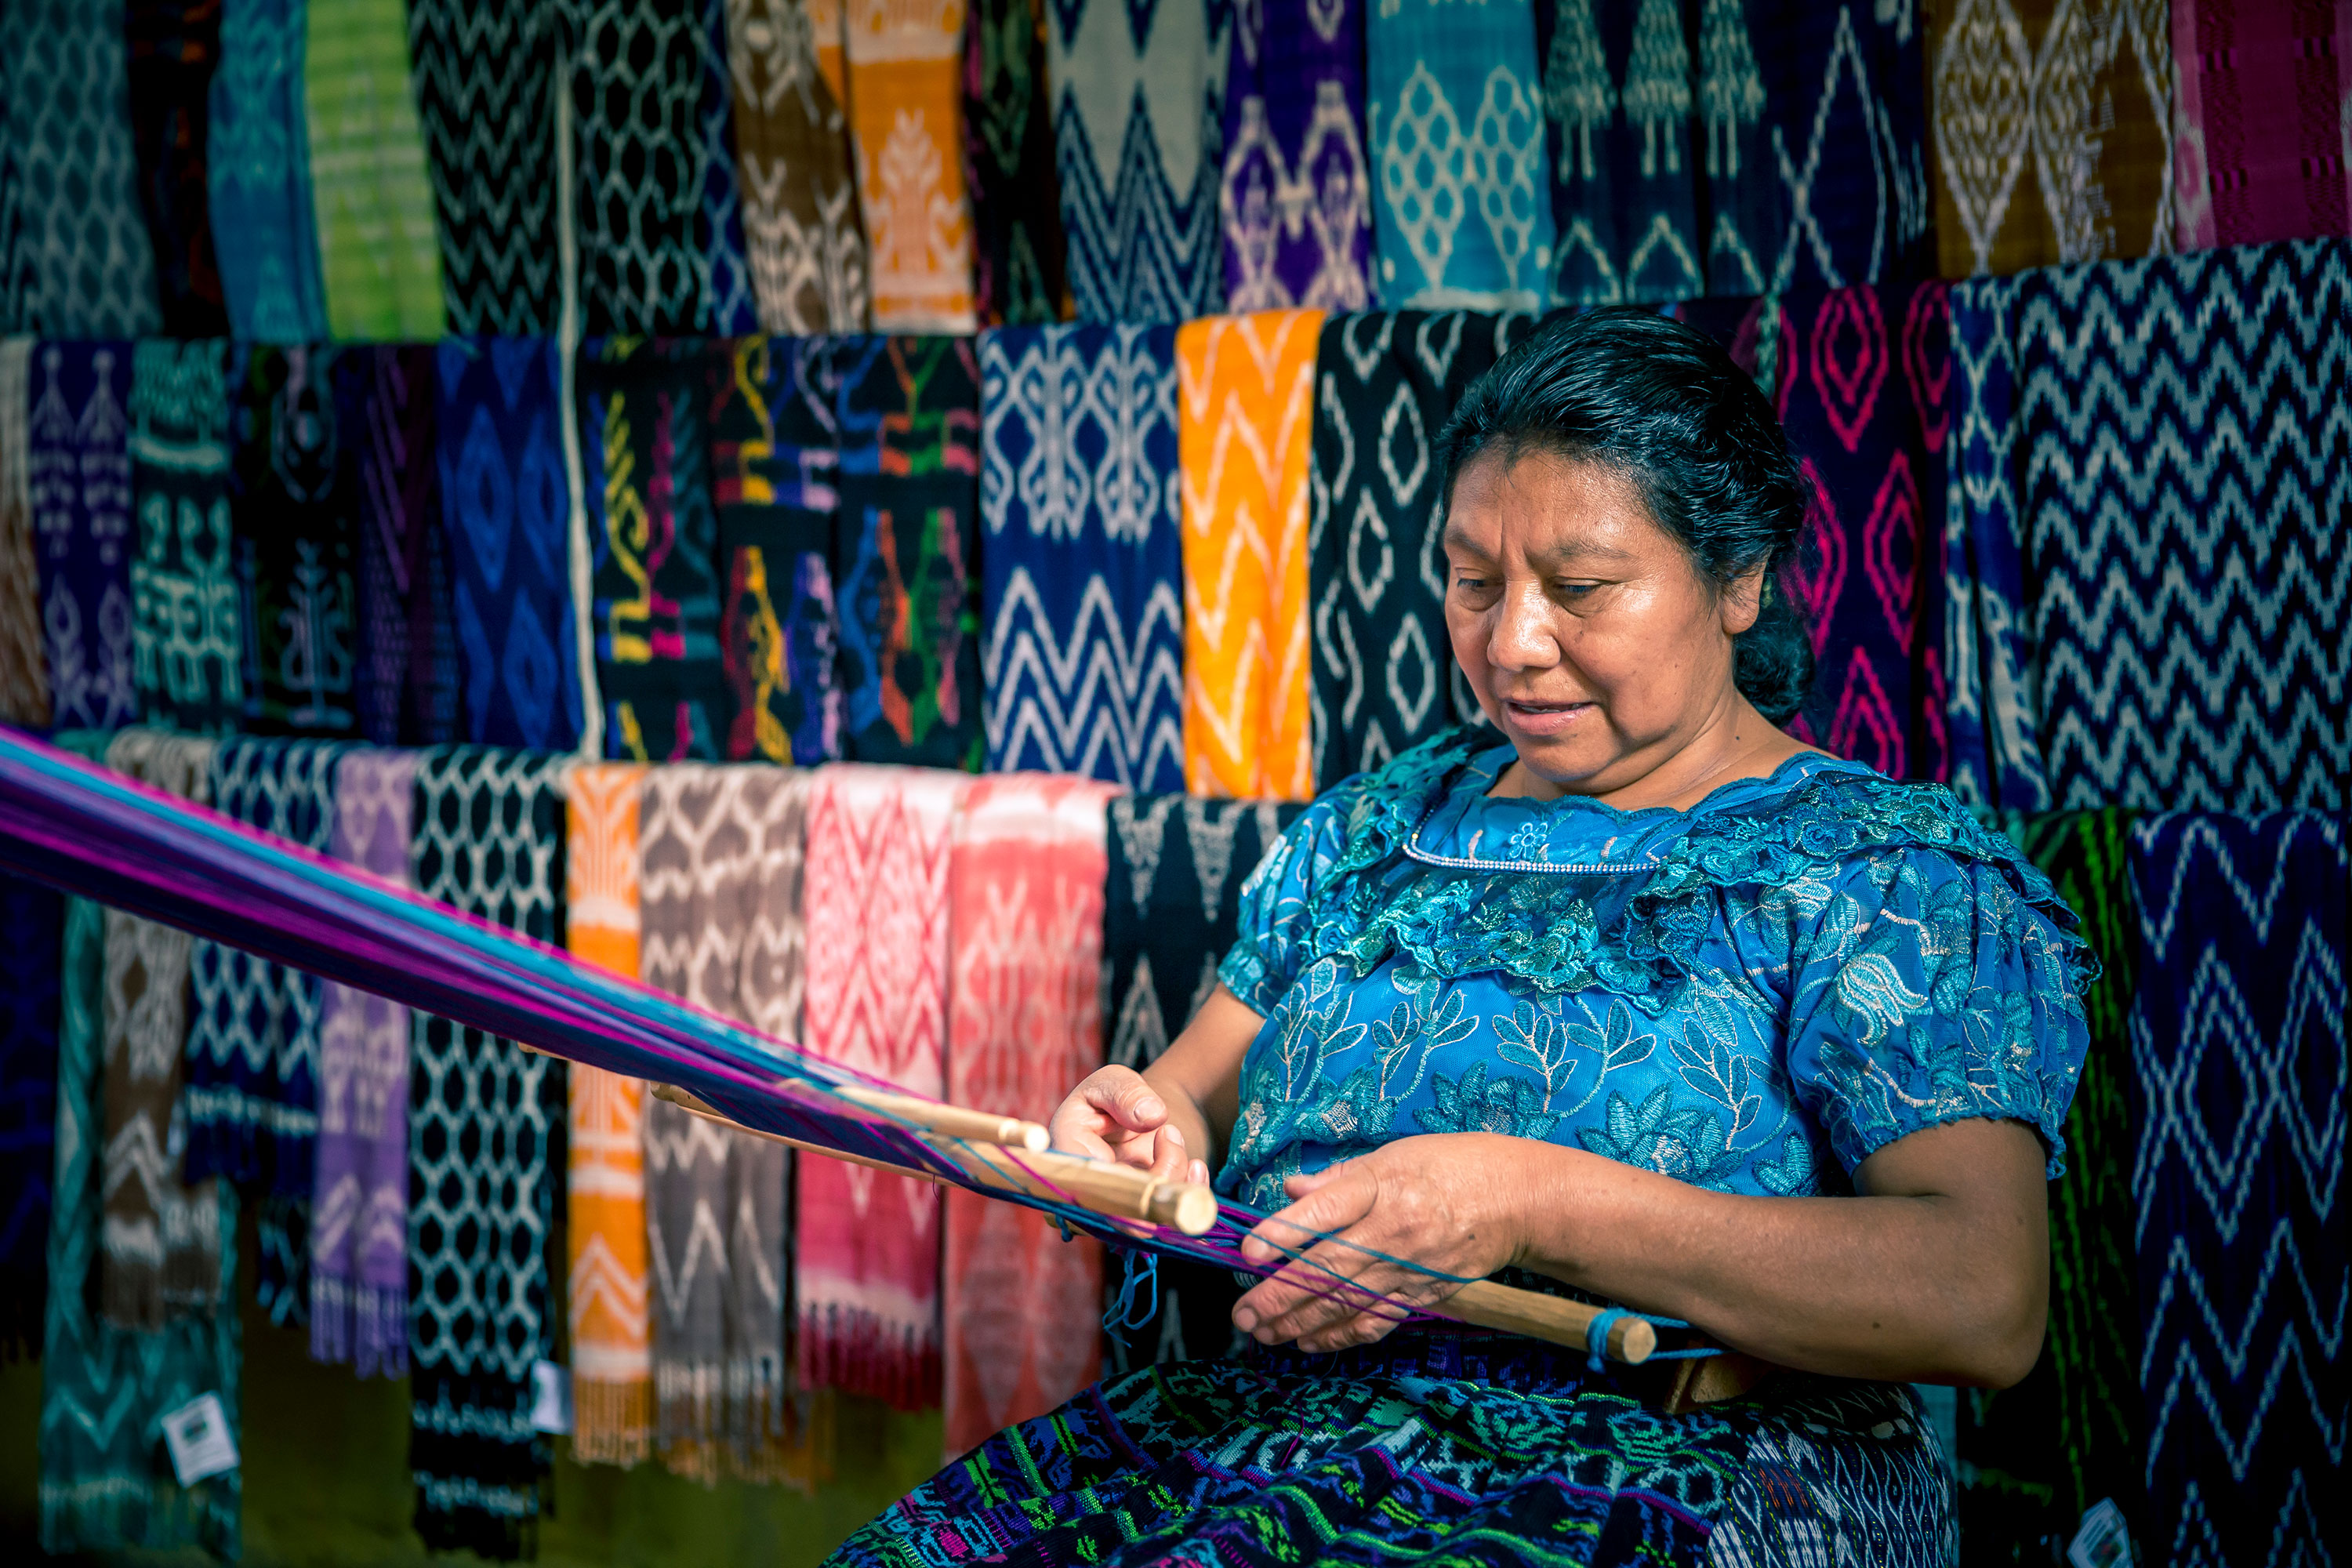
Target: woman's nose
1523, 637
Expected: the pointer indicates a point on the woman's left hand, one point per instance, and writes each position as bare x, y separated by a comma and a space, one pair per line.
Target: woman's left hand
1447, 1201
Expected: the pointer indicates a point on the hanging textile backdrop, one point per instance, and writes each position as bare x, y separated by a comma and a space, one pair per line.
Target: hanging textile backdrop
1454, 230
608, 1283
483, 1119
1026, 917
1847, 114
865, 1256
644, 434
106, 1482
32, 935
75, 261
2054, 134
719, 860
187, 637
1866, 379
1988, 713
1296, 199
377, 253
1082, 651
406, 683
250, 1100
637, 85
2238, 1059
1384, 676
1246, 400
78, 463
2180, 454
174, 48
484, 80
23, 676
2261, 121
903, 546
775, 456
1136, 133
1018, 272
906, 118
505, 502
294, 501
257, 167
359, 1192
803, 240
723, 268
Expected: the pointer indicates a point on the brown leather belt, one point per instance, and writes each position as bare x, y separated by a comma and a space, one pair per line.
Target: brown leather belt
1681, 1386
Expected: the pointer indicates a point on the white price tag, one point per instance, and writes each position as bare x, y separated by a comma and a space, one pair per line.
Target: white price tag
2103, 1540
551, 1398
198, 1436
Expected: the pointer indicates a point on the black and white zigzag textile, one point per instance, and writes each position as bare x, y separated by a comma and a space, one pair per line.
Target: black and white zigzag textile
1082, 610
484, 71
2238, 1094
2185, 467
1385, 385
484, 1124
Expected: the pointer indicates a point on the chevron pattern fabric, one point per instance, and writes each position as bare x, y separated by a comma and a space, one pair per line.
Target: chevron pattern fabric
905, 121
2183, 463
720, 878
805, 246
2237, 1099
612, 1362
23, 677
1245, 393
1385, 385
484, 1119
1172, 900
1137, 130
636, 83
1296, 199
506, 504
484, 71
294, 500
903, 542
655, 577
407, 684
378, 256
78, 466
875, 908
161, 1243
1866, 380
1456, 117
1082, 652
775, 460
2054, 132
258, 168
359, 1192
2265, 91
1019, 266
1988, 713
188, 605
1846, 116
174, 48
1025, 877
75, 261
32, 934
105, 1482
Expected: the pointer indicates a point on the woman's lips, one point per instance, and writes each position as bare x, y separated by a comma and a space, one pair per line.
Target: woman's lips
1544, 717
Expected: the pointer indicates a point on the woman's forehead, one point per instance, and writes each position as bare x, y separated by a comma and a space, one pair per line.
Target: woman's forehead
1549, 507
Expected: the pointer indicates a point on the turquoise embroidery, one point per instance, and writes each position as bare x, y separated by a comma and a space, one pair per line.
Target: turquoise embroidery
1752, 995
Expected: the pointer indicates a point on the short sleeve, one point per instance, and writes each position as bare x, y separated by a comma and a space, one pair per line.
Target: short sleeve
1930, 990
1270, 938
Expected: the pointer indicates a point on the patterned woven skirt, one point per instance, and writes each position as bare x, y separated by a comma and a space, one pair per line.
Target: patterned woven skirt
1433, 1448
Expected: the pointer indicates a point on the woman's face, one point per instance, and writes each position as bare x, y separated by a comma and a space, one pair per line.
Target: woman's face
1589, 634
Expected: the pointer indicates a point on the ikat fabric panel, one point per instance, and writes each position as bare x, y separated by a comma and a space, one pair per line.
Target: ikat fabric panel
174, 48
77, 470
906, 116
1020, 273
801, 234
258, 164
1295, 203
2263, 128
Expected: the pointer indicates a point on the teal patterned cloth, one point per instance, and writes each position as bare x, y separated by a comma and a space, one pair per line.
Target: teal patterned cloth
1752, 996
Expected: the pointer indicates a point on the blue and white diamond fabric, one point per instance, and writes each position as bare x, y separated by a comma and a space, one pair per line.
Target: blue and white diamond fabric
1082, 587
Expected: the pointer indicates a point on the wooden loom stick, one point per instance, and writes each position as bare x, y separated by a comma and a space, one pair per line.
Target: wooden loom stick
1122, 1192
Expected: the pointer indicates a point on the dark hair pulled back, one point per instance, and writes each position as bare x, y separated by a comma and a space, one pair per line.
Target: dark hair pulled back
1663, 405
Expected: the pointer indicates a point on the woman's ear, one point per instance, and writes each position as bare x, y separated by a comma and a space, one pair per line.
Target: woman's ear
1742, 601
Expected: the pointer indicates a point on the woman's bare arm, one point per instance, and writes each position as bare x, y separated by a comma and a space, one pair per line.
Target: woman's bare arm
1177, 1112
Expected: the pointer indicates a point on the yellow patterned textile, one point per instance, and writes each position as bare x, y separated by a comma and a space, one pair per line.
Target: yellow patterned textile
906, 107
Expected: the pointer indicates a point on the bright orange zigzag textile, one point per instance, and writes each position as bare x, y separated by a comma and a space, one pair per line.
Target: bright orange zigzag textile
1246, 392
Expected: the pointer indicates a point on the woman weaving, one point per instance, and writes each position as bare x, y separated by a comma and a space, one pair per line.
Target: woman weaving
1632, 994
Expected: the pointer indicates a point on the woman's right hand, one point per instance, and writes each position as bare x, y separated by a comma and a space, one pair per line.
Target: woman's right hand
1116, 1114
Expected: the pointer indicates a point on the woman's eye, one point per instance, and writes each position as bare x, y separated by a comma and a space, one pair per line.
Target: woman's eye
1574, 590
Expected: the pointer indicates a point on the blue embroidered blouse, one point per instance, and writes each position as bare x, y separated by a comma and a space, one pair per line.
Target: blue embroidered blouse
1751, 996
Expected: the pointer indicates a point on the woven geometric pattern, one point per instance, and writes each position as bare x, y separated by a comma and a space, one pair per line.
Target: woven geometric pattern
78, 467
1295, 204
1082, 613
2184, 459
407, 680
188, 608
806, 250
1849, 143
905, 122
377, 253
2260, 123
23, 677
637, 85
1018, 276
2237, 1096
258, 165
